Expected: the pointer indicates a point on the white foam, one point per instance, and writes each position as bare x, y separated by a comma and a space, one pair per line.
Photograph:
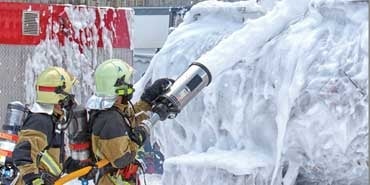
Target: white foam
291, 85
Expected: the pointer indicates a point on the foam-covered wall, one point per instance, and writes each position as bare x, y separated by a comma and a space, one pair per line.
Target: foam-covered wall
289, 99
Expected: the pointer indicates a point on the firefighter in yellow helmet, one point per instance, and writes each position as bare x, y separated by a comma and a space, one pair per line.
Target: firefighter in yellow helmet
117, 128
39, 153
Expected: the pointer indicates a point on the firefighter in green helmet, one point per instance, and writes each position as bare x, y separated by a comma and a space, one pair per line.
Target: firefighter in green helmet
39, 152
117, 127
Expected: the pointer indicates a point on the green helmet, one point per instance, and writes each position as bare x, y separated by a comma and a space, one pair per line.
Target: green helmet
113, 77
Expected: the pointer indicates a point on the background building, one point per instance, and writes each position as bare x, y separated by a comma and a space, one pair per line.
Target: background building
118, 3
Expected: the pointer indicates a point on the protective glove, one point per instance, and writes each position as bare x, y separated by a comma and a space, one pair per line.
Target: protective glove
48, 178
44, 178
33, 179
71, 165
158, 88
139, 134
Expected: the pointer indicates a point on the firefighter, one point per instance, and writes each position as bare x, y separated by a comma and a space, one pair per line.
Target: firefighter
117, 127
39, 152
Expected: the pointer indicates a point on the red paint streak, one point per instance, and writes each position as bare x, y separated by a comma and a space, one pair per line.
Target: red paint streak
11, 25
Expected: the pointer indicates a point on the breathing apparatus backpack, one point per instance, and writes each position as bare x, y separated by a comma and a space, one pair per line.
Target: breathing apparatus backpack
15, 115
80, 131
79, 135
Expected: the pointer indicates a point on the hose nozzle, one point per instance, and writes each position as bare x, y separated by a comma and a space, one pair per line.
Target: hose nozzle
184, 89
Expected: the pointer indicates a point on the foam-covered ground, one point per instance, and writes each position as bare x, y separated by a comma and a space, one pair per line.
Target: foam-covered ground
288, 101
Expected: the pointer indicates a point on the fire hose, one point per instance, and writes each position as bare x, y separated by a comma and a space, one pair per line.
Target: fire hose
80, 172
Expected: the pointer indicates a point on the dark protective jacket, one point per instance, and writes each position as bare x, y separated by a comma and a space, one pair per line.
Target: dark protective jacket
110, 136
36, 135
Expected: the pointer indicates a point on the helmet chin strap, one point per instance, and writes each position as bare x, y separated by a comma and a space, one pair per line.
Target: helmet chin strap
62, 122
66, 105
58, 113
125, 99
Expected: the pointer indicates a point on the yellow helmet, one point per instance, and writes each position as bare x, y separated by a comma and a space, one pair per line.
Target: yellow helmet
52, 84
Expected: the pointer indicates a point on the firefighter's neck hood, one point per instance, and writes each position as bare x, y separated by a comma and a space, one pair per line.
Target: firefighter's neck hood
100, 102
42, 108
47, 109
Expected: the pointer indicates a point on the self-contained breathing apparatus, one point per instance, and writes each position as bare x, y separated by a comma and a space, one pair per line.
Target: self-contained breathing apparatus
79, 135
15, 115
